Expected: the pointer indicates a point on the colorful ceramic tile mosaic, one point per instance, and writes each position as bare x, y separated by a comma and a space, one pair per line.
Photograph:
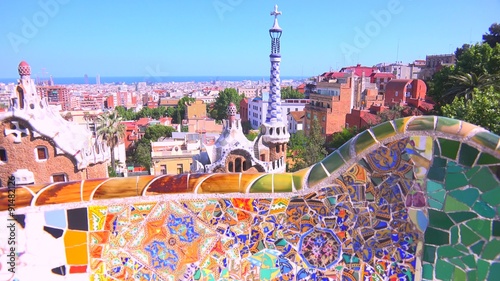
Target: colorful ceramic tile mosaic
413, 199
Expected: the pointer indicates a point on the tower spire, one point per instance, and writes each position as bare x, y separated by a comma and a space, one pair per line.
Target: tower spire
274, 106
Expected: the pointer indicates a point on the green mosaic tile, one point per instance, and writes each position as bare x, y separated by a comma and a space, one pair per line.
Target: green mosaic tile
486, 139
363, 142
462, 248
468, 155
484, 210
482, 269
454, 168
400, 124
333, 161
470, 261
439, 196
448, 252
422, 123
458, 262
435, 204
436, 174
283, 183
477, 248
428, 271
471, 274
467, 196
481, 227
494, 271
444, 270
451, 204
495, 228
491, 250
492, 197
459, 217
449, 148
439, 220
487, 159
433, 186
298, 178
454, 181
316, 175
345, 150
484, 180
438, 162
447, 125
469, 173
436, 237
467, 236
459, 274
429, 254
437, 150
454, 236
383, 131
262, 184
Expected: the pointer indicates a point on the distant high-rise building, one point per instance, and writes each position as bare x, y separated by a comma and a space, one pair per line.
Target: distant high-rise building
98, 79
86, 79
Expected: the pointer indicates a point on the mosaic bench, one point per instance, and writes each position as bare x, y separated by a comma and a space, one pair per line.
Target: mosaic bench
412, 199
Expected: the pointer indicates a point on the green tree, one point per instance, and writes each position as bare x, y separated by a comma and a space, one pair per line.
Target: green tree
110, 130
291, 93
463, 84
126, 114
252, 135
481, 110
493, 37
153, 133
219, 109
339, 138
142, 154
313, 150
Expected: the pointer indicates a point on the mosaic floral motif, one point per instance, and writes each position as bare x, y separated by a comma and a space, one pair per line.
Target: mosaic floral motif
320, 248
420, 206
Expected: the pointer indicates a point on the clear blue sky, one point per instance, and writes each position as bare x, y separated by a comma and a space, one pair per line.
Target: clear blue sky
229, 37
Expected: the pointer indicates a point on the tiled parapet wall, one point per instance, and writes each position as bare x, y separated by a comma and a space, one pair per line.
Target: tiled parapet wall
415, 198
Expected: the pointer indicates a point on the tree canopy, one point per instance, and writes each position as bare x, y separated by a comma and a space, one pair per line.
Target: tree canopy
493, 37
142, 151
226, 96
291, 93
482, 109
307, 150
110, 130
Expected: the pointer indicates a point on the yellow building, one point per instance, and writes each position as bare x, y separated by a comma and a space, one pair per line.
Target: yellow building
174, 156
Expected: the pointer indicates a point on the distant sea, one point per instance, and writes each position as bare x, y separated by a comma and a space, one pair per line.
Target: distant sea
149, 79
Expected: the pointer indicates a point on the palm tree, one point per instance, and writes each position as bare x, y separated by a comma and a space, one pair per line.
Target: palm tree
110, 130
463, 84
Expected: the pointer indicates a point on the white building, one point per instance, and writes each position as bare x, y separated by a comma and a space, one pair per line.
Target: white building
295, 121
257, 108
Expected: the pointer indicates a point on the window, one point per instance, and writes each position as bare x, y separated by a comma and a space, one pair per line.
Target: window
163, 169
41, 153
59, 178
308, 115
323, 118
3, 155
180, 169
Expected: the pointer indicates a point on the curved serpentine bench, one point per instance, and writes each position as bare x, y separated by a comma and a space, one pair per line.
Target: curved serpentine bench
410, 199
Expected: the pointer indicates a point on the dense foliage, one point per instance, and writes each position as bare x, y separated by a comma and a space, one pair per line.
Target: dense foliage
219, 107
306, 150
141, 152
290, 93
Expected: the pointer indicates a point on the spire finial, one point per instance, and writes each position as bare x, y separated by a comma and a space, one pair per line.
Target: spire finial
275, 13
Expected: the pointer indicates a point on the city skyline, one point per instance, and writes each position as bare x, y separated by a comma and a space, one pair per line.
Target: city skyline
227, 38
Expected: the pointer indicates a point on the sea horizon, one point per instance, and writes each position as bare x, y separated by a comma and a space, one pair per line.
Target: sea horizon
156, 79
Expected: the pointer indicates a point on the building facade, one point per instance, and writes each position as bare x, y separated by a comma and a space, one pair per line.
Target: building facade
39, 146
257, 109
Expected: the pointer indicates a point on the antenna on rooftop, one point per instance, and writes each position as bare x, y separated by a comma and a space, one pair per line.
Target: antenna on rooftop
397, 52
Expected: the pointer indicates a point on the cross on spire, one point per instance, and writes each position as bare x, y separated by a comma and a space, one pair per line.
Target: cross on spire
275, 13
